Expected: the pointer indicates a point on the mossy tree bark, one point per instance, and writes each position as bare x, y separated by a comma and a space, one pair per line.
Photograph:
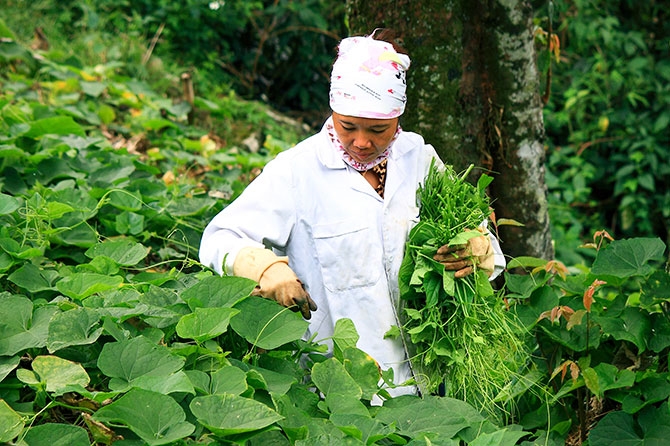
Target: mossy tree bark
474, 93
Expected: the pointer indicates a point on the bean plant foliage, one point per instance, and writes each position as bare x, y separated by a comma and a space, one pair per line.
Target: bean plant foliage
111, 332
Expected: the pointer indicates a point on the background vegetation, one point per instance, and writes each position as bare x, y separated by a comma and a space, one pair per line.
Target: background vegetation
109, 174
606, 117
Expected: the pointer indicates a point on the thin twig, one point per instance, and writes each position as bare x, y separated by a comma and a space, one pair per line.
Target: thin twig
150, 50
588, 144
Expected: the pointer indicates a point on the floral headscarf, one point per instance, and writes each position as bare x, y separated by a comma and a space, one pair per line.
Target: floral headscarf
368, 79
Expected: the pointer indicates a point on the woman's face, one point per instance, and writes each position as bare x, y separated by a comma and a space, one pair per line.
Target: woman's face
364, 139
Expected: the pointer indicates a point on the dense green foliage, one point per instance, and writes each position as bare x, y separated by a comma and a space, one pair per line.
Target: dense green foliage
110, 329
278, 50
608, 120
109, 326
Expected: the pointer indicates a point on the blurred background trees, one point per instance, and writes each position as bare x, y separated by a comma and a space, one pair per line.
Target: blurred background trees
604, 72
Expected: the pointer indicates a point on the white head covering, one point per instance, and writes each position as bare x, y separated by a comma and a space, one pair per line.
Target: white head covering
368, 79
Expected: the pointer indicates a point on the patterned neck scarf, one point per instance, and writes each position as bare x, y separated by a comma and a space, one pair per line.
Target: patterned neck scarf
380, 171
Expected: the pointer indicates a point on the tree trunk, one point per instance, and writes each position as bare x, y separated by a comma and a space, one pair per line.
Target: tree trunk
474, 93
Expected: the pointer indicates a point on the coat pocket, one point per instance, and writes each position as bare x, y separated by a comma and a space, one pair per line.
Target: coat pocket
349, 253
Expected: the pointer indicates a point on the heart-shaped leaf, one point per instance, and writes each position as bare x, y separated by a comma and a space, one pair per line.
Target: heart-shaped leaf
131, 359
155, 418
56, 434
11, 423
79, 326
266, 324
56, 373
226, 414
205, 323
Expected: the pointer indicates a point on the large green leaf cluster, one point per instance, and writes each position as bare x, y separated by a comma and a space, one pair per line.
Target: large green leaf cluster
600, 368
607, 120
112, 332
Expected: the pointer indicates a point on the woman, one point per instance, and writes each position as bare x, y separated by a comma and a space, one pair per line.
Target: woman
338, 207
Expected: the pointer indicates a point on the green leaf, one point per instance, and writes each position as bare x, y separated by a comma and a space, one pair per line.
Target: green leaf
6, 262
177, 382
191, 206
124, 252
79, 326
205, 323
631, 324
363, 369
231, 380
56, 434
155, 418
106, 114
129, 223
158, 124
604, 377
626, 258
414, 416
656, 288
21, 327
650, 390
129, 360
8, 204
93, 89
82, 236
7, 364
58, 373
344, 336
11, 423
231, 414
274, 382
462, 237
57, 125
218, 291
12, 247
266, 324
33, 279
364, 428
51, 169
330, 376
661, 330
615, 429
125, 200
79, 286
448, 284
433, 284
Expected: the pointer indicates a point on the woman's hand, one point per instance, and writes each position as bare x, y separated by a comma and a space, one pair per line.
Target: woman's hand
276, 280
477, 253
280, 284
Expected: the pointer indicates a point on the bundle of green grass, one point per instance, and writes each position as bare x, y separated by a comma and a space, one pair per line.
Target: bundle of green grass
463, 341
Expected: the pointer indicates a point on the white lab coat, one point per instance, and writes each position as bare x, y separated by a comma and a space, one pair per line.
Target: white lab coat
343, 240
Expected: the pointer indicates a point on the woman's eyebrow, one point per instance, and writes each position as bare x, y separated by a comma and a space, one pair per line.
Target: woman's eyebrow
379, 126
373, 127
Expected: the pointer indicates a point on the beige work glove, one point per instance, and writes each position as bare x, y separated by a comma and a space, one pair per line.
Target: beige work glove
476, 253
276, 280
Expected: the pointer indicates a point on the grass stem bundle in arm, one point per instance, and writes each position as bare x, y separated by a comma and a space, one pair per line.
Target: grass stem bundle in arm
459, 333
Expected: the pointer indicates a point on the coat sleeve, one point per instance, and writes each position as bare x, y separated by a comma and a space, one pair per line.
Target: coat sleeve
262, 216
498, 256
